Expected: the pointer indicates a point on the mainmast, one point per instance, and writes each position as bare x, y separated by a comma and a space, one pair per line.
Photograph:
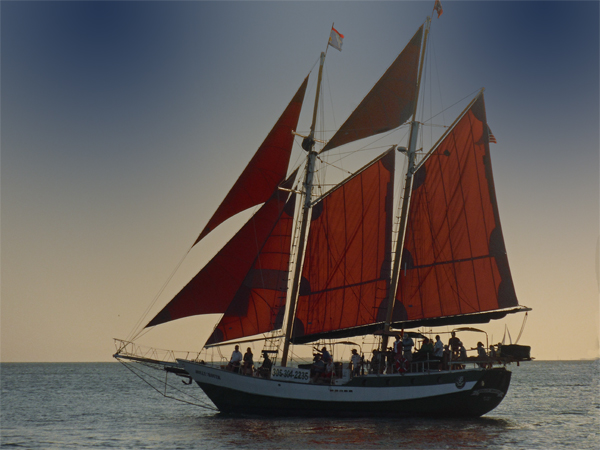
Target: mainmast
411, 153
307, 144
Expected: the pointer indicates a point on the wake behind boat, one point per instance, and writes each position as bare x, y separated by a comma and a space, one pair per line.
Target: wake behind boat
309, 269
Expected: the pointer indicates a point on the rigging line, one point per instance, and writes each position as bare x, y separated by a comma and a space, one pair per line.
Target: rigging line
201, 404
522, 328
133, 335
454, 104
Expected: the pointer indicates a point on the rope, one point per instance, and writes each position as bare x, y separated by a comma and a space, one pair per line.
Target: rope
133, 335
200, 403
522, 328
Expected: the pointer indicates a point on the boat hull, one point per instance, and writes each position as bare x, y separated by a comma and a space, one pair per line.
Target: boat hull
466, 393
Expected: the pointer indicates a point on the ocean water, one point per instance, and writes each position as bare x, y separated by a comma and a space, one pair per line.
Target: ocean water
550, 405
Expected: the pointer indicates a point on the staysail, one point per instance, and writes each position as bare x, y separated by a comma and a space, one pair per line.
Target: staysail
346, 269
259, 304
265, 171
253, 264
389, 104
454, 259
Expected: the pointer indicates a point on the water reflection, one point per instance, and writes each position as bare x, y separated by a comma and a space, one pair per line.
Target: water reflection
417, 433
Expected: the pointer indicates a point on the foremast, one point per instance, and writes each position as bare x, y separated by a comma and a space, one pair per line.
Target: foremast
307, 144
411, 154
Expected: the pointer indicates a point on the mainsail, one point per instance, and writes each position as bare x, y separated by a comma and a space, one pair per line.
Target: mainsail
454, 258
347, 265
390, 102
253, 264
265, 171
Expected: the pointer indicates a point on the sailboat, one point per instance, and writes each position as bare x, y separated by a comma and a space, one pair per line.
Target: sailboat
307, 270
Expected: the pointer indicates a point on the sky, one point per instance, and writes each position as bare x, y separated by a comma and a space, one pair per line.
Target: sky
124, 124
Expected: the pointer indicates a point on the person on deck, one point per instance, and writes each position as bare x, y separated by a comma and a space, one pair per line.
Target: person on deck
318, 368
438, 348
454, 344
325, 355
235, 361
407, 345
462, 352
356, 361
426, 350
265, 369
397, 345
248, 362
481, 354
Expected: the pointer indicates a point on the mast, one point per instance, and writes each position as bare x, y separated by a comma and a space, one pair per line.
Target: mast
412, 149
307, 144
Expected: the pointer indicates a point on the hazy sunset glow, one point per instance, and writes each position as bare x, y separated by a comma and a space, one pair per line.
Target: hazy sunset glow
125, 123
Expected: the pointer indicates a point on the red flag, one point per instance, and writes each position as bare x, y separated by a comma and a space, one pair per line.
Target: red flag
438, 7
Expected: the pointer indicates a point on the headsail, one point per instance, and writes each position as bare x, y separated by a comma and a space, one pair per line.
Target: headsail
454, 258
259, 304
347, 265
265, 171
389, 104
253, 262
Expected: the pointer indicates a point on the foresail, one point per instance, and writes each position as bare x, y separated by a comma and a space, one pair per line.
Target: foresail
389, 104
253, 263
259, 304
454, 259
346, 269
265, 171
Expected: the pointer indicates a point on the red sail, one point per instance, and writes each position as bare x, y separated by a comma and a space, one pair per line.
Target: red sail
346, 271
265, 171
258, 305
391, 101
220, 287
454, 259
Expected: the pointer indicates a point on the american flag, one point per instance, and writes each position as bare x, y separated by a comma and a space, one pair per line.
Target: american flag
492, 137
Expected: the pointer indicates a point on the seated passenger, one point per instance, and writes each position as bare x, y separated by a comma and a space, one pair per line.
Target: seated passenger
235, 361
425, 352
265, 369
318, 368
248, 362
481, 354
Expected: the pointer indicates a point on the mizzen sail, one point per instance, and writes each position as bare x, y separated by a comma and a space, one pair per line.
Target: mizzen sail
389, 104
265, 171
454, 259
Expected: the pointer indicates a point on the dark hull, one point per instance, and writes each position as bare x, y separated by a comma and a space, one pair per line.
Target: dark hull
483, 390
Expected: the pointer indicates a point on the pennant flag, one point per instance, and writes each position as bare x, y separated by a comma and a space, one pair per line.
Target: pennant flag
491, 136
438, 7
335, 39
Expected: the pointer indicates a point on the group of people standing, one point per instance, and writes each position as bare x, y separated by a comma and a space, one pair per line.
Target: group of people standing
397, 359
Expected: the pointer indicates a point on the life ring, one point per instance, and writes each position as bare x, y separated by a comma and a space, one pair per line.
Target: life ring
401, 364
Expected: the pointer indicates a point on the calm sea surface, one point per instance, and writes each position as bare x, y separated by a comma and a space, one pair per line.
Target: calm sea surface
550, 405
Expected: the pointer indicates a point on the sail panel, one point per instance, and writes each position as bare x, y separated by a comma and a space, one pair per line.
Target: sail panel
259, 304
226, 283
346, 269
265, 171
454, 259
390, 102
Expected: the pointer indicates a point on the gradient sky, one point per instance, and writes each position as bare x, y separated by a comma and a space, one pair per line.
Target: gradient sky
125, 123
